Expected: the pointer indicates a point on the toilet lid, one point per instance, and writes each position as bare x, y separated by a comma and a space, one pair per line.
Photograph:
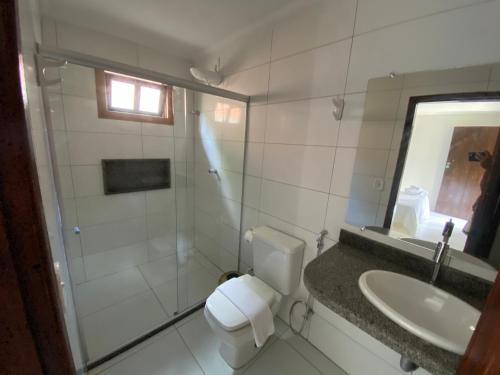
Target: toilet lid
227, 314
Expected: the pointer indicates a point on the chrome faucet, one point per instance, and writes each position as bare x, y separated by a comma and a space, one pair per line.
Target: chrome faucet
441, 250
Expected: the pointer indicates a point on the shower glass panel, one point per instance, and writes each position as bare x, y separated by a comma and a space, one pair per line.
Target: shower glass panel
211, 209
139, 257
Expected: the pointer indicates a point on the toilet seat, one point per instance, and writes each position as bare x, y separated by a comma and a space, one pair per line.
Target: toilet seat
227, 315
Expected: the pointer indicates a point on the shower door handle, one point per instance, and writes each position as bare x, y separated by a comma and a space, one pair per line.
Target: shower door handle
214, 172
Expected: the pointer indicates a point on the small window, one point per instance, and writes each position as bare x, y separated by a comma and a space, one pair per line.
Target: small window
122, 97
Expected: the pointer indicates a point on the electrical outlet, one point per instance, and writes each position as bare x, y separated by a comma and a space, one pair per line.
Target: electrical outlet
378, 184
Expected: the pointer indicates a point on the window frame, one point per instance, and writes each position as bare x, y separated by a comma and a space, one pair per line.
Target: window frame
103, 94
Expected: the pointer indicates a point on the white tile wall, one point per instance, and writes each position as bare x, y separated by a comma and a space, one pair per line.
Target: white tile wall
310, 74
303, 207
306, 166
304, 187
312, 27
90, 42
252, 82
372, 15
456, 38
253, 52
90, 148
81, 116
306, 122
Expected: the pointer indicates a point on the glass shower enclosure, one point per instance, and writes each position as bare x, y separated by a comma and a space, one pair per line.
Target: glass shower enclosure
139, 259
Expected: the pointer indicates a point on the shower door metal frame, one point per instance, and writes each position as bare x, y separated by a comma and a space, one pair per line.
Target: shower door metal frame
100, 63
51, 57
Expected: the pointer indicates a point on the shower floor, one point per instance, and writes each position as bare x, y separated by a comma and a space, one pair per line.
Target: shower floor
118, 308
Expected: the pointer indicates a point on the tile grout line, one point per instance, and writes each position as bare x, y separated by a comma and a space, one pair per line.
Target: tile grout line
265, 135
138, 349
423, 17
307, 359
259, 355
124, 269
340, 122
114, 304
154, 292
189, 350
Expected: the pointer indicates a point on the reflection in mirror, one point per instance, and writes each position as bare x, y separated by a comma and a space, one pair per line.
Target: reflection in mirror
448, 170
442, 161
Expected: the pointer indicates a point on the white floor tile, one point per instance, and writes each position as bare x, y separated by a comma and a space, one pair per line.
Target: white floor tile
115, 260
166, 353
108, 329
106, 291
167, 294
281, 359
204, 262
200, 285
204, 345
160, 271
128, 353
311, 354
280, 327
167, 356
188, 318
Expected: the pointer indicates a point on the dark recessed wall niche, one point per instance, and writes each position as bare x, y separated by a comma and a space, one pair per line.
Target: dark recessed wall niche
129, 175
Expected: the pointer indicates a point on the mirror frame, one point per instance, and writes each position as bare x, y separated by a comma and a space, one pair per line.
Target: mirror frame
484, 227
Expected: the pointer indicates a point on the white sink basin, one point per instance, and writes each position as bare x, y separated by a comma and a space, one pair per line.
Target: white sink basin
422, 309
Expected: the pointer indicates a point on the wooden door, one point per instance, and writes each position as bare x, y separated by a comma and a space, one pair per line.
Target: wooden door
483, 353
32, 334
460, 186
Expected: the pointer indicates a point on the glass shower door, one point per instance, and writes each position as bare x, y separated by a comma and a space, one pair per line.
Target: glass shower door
137, 259
121, 247
215, 182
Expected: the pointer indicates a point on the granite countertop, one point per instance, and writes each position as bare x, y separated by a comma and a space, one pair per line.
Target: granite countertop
332, 278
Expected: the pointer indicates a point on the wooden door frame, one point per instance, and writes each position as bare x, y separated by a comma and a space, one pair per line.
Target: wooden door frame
32, 330
483, 352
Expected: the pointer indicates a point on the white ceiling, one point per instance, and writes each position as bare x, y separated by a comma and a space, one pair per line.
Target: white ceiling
187, 28
441, 108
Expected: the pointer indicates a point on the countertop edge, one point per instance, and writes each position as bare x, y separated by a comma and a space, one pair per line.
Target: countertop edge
375, 323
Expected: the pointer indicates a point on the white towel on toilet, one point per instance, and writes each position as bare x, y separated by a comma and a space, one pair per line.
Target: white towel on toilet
252, 306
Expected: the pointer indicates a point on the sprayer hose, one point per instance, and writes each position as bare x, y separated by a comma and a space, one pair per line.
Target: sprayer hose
305, 317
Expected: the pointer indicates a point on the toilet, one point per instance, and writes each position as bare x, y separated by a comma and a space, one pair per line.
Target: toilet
277, 263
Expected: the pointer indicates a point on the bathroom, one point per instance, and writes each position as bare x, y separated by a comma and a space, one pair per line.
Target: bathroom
295, 144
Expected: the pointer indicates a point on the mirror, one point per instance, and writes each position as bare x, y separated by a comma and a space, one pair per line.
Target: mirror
430, 152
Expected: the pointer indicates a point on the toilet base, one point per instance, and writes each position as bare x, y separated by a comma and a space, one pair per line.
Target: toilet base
237, 357
237, 348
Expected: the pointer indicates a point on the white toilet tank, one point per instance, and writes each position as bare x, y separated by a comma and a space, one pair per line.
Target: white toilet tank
277, 259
